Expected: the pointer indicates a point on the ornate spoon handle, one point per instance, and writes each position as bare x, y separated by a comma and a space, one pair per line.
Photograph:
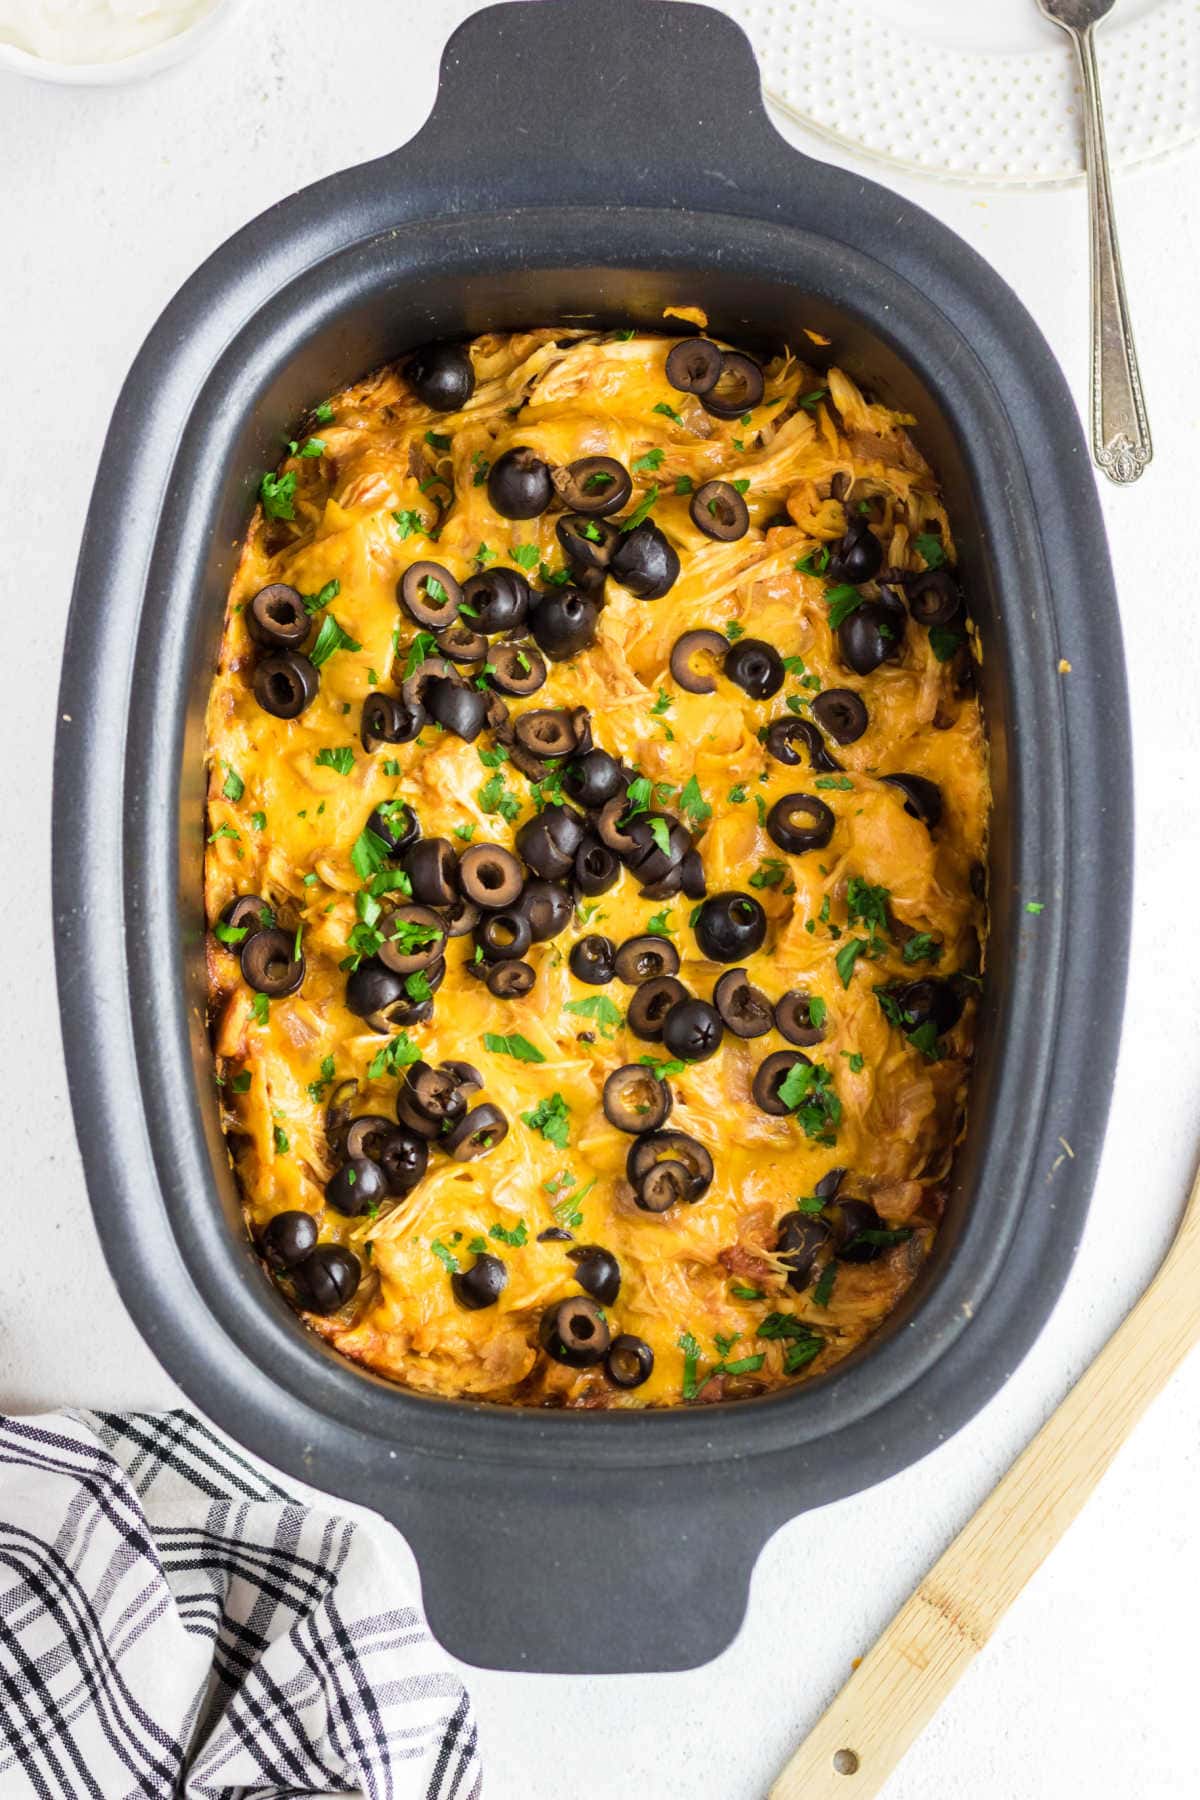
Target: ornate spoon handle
1120, 430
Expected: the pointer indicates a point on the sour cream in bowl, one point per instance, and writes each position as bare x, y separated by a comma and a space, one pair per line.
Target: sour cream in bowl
102, 42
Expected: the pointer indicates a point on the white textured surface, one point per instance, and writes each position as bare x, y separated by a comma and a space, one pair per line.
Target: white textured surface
979, 89
109, 200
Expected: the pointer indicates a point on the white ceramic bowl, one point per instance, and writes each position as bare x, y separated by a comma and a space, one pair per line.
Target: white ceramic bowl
127, 68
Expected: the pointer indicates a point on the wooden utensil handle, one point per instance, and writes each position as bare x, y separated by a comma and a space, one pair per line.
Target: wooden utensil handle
903, 1680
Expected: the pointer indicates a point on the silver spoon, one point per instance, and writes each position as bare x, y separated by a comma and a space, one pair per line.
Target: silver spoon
1120, 429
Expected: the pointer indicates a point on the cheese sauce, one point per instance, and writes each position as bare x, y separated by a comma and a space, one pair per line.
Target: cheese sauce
376, 482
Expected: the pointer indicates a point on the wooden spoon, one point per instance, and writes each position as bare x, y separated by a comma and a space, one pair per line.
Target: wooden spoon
902, 1681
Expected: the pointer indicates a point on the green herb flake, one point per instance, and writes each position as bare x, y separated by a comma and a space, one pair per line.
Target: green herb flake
943, 642
514, 1238
649, 463
437, 440
798, 1356
224, 831
1032, 906
823, 1291
684, 484
408, 523
398, 1053
341, 758
331, 637
737, 795
817, 1011
446, 1257
733, 631
847, 956
922, 948
282, 1146
930, 548
525, 556
260, 1006
741, 1291
278, 494
552, 1117
692, 803
599, 1007
668, 412
842, 784
241, 1082
642, 510
234, 786
664, 1070
842, 601
659, 924
691, 1362
514, 1045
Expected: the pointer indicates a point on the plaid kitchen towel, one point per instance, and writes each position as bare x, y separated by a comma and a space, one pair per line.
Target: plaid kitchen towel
172, 1623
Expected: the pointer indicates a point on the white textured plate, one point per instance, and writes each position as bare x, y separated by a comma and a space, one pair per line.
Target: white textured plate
978, 90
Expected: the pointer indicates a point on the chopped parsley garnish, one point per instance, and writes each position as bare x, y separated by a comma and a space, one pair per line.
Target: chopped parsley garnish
809, 401
408, 522
922, 948
660, 831
234, 787
341, 758
930, 548
769, 873
737, 795
639, 793
260, 1006
316, 1089
437, 440
230, 934
691, 1361
741, 1291
481, 466
847, 956
514, 1045
734, 631
423, 645
552, 1117
241, 1082
409, 935
692, 803
867, 905
817, 1011
798, 1356
369, 855
225, 831
842, 783
648, 463
814, 563
277, 493
417, 987
824, 1289
855, 1060
683, 484
492, 759
659, 924
664, 1070
807, 1089
494, 797
331, 637
524, 555
259, 821
668, 412
446, 1257
662, 704
465, 832
323, 414
642, 510
282, 1146
514, 1238
1035, 906
396, 1054
606, 1012
745, 1365
841, 601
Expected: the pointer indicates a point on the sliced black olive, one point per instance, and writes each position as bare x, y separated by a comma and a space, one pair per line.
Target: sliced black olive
694, 365
593, 484
480, 1131
366, 1134
510, 980
684, 652
842, 713
928, 1001
495, 600
337, 1112
593, 778
738, 387
636, 1100
651, 1004
416, 688
468, 1077
574, 1332
357, 1185
519, 484
933, 598
663, 1186
872, 634
613, 832
403, 1157
431, 865
800, 822
564, 623
743, 1007
413, 938
596, 868
461, 644
270, 964
516, 669
548, 907
430, 595
285, 683
644, 562
755, 666
784, 734
396, 825
593, 959
770, 1076
429, 1099
646, 959
249, 912
328, 1279
441, 376
489, 875
480, 1285
587, 543
829, 1183
793, 1018
597, 1271
850, 1220
922, 798
720, 512
387, 720
547, 732
693, 1030
555, 1234
730, 926
288, 1239
691, 876
462, 710
372, 987
460, 917
859, 556
630, 1361
277, 617
504, 936
670, 1147
801, 1241
548, 842
647, 858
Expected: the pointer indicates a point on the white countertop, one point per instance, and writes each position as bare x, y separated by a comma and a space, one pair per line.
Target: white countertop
109, 200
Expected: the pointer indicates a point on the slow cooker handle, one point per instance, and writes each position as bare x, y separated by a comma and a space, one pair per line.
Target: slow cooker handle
607, 102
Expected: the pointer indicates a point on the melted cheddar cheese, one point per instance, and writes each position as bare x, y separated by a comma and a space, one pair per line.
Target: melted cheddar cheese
381, 482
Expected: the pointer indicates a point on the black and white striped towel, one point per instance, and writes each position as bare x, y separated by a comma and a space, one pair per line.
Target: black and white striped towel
172, 1623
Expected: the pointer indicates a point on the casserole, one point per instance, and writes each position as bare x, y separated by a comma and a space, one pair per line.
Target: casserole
646, 1525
